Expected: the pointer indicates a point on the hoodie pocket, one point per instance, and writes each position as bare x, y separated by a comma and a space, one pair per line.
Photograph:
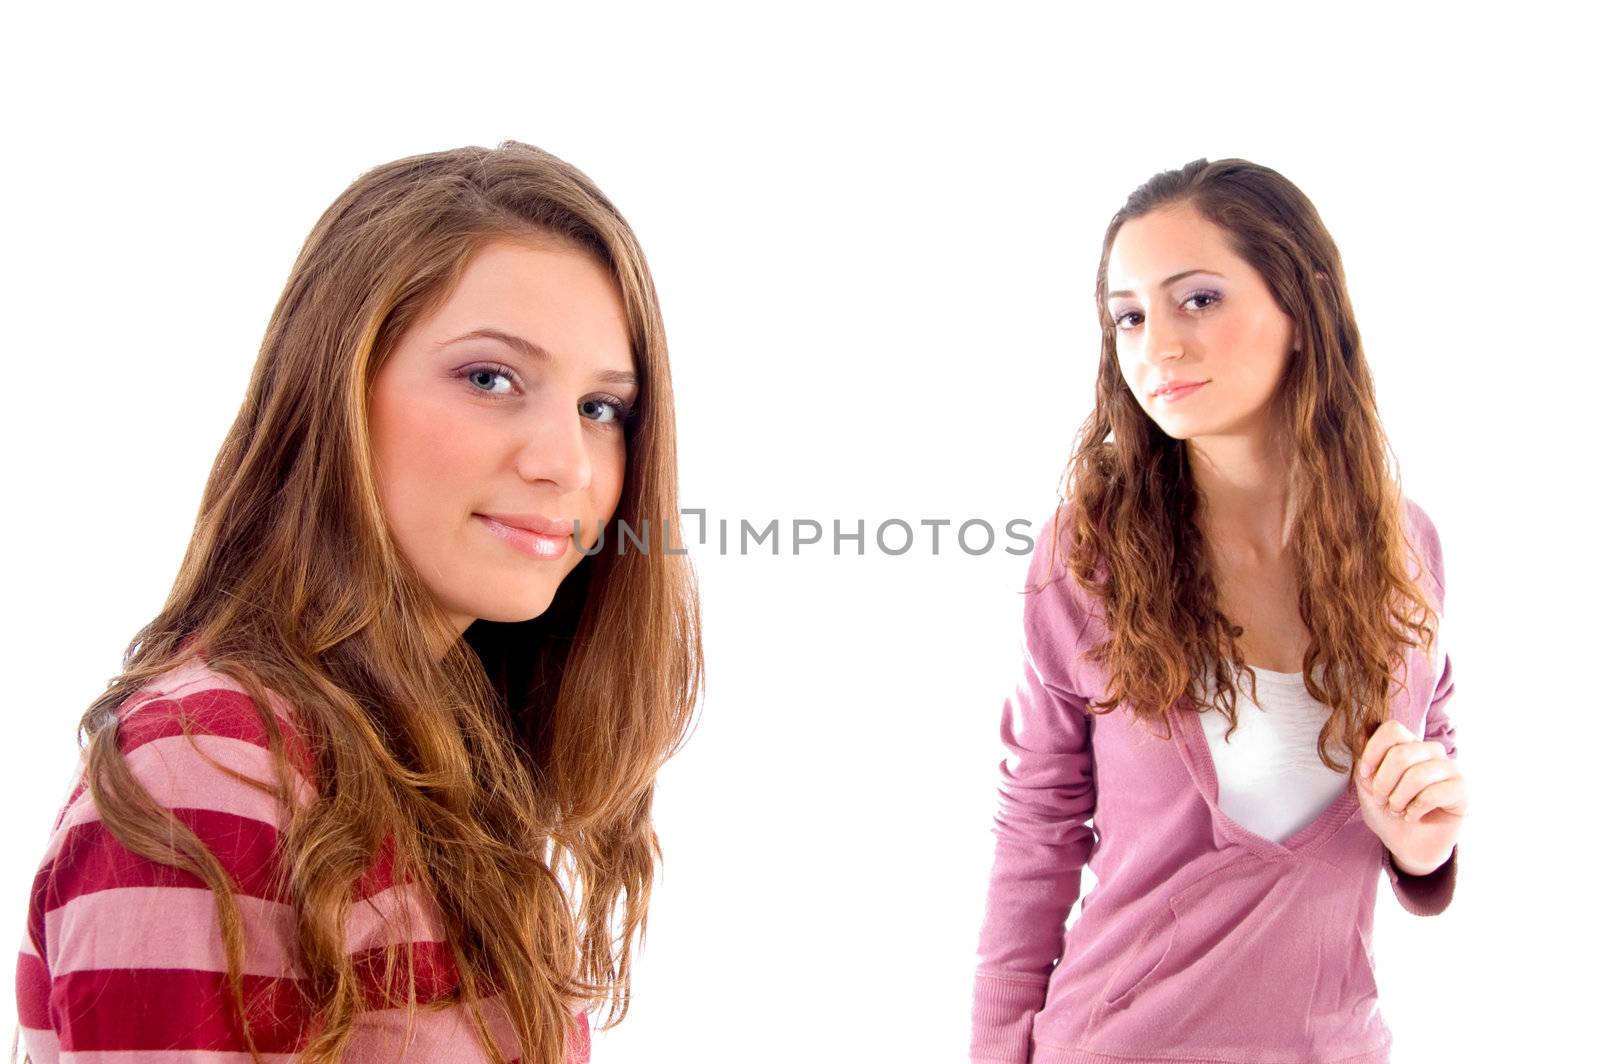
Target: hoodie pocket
1155, 939
1238, 966
1146, 955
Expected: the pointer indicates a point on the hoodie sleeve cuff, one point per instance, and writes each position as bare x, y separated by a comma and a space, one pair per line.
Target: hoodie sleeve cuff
1427, 895
1002, 1018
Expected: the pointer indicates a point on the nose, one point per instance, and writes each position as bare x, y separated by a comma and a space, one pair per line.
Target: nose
556, 449
1163, 339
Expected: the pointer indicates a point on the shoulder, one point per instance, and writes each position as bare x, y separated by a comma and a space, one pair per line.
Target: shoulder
1051, 560
1424, 537
195, 701
1423, 530
1058, 612
194, 688
198, 745
1048, 560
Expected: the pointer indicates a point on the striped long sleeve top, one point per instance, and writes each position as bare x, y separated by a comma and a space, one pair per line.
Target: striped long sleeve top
122, 957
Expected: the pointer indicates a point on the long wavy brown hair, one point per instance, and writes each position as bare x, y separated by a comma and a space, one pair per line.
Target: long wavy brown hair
1129, 503
513, 772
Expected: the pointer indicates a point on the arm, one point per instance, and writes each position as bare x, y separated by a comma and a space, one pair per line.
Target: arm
1430, 893
1042, 840
126, 951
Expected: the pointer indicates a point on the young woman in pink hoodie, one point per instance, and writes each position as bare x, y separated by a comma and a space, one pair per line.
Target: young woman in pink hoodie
1229, 525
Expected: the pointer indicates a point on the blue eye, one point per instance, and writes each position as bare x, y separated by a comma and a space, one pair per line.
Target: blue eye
602, 409
605, 409
488, 371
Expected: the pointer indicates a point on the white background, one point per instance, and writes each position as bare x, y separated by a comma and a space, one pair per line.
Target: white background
874, 231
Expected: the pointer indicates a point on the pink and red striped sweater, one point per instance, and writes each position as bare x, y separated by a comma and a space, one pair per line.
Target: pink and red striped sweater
122, 957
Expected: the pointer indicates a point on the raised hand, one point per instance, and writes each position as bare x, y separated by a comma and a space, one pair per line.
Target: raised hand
1412, 796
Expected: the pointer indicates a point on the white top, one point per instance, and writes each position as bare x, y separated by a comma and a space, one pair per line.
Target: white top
1269, 777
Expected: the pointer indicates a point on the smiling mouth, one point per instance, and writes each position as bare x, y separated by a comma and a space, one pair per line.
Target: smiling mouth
539, 545
1178, 391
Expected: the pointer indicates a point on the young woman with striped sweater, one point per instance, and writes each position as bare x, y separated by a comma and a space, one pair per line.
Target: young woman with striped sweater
375, 783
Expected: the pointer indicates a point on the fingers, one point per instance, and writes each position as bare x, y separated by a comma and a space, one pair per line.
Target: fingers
1402, 766
1389, 734
1448, 794
1419, 776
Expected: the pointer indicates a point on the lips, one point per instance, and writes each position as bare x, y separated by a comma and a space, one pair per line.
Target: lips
539, 545
536, 523
1168, 387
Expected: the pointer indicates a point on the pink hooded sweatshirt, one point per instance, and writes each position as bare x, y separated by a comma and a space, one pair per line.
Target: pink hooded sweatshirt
1201, 942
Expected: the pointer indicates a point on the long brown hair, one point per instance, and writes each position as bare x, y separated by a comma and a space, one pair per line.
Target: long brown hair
1129, 500
512, 775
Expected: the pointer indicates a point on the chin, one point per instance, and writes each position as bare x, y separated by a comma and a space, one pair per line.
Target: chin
514, 612
1176, 432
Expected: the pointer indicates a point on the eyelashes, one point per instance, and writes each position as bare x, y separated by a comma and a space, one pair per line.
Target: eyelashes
1211, 296
490, 371
620, 410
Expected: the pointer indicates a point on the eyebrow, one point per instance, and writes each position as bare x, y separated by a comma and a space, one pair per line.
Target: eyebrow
536, 353
1170, 280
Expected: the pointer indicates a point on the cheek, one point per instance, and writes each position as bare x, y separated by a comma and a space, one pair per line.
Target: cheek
423, 457
609, 468
1125, 350
1128, 367
1230, 336
1271, 345
1265, 335
1250, 344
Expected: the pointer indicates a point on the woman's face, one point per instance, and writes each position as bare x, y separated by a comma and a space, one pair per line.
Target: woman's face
507, 401
1187, 307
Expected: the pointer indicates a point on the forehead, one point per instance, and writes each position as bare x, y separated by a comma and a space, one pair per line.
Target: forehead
533, 267
1149, 248
549, 290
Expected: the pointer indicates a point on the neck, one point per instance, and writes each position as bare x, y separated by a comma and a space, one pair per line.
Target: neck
1243, 486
